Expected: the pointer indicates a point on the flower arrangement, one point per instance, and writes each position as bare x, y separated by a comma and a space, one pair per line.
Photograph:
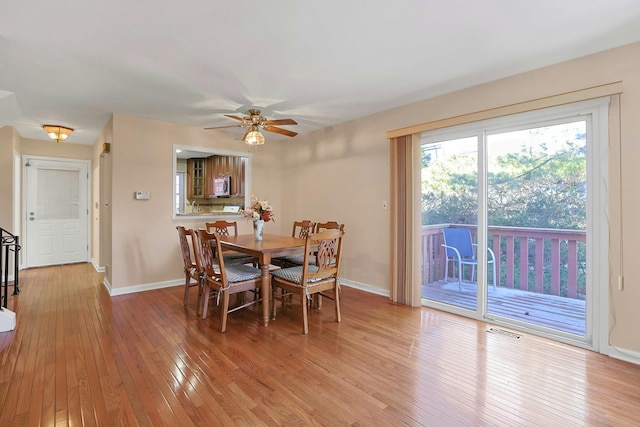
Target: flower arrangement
259, 209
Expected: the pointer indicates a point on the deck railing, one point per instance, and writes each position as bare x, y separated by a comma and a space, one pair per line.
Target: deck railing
534, 259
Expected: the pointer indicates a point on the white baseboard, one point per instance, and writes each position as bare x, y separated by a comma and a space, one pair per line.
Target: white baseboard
142, 288
106, 284
180, 282
624, 354
364, 287
96, 266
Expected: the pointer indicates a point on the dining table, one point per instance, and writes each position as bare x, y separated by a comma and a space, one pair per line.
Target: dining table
271, 246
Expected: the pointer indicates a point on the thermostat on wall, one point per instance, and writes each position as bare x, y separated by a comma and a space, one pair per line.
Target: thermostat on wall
142, 195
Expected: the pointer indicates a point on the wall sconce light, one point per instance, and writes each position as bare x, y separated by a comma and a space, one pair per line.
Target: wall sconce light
56, 132
253, 136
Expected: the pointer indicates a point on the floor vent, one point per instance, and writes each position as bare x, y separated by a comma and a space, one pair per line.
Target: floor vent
503, 332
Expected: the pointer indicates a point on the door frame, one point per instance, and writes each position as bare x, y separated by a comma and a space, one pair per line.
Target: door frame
17, 211
25, 159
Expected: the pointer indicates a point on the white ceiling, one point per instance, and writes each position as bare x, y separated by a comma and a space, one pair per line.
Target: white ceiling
75, 63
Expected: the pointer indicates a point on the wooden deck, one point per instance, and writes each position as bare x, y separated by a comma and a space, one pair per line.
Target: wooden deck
551, 311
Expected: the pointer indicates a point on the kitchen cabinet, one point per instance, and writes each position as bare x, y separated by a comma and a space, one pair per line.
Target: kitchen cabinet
202, 172
197, 187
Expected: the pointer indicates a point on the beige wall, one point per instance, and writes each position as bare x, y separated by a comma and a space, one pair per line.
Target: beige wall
342, 174
144, 247
36, 147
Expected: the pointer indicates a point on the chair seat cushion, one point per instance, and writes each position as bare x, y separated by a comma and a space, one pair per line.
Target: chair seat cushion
298, 259
294, 274
240, 272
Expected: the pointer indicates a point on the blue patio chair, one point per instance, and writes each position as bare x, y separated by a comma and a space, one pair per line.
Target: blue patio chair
461, 250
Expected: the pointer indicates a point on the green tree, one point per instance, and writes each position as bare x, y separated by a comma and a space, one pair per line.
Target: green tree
534, 188
450, 191
530, 188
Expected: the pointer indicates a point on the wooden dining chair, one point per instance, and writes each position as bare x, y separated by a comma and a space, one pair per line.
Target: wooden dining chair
293, 260
221, 280
321, 226
301, 229
226, 228
192, 272
310, 279
329, 225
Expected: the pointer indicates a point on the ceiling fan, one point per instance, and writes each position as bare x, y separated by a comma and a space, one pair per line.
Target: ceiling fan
254, 122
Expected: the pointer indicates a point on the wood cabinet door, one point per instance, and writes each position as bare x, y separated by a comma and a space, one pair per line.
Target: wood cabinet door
196, 178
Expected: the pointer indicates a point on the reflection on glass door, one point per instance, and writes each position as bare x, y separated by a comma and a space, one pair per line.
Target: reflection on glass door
537, 217
449, 221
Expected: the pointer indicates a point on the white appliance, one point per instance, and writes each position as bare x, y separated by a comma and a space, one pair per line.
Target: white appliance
222, 186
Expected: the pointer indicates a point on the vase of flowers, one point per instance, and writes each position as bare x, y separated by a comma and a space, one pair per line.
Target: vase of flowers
259, 211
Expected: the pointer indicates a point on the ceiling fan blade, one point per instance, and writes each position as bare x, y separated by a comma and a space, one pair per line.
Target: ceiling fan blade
280, 122
223, 127
281, 131
234, 117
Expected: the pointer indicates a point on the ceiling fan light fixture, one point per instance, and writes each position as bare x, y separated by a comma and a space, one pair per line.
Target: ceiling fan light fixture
254, 122
56, 132
253, 136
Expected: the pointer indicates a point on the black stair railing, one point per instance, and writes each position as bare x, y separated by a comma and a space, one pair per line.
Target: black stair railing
10, 243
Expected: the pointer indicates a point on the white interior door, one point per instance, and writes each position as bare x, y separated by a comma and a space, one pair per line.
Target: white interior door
56, 194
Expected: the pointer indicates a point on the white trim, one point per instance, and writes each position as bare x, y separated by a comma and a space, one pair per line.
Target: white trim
146, 287
180, 282
96, 266
624, 354
598, 229
17, 211
364, 287
106, 284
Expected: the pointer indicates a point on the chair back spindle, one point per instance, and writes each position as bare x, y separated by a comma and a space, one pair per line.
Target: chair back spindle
301, 229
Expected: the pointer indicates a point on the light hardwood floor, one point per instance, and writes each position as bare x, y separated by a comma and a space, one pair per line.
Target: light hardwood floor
79, 357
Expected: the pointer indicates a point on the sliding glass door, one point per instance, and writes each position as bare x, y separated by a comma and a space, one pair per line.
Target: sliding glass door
511, 211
